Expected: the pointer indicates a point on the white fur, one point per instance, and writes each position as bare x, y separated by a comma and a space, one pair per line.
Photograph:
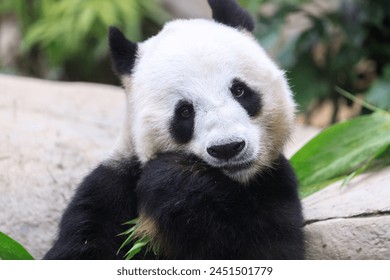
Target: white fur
196, 60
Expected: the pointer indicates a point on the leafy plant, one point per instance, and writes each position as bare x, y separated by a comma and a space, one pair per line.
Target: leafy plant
12, 250
347, 47
341, 151
138, 243
70, 37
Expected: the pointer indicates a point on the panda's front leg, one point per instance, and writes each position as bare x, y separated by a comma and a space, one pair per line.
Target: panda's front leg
189, 208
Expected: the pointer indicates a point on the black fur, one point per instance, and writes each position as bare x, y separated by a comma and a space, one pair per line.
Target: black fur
250, 100
94, 218
230, 13
123, 52
182, 126
202, 214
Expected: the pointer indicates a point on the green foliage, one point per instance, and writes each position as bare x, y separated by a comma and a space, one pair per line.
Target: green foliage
138, 244
137, 247
342, 151
66, 27
73, 33
12, 250
347, 47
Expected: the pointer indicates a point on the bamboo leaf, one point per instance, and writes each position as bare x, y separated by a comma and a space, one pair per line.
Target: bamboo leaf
131, 222
340, 150
137, 247
127, 241
12, 250
130, 230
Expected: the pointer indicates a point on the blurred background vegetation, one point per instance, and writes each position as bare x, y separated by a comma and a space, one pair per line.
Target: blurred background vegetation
67, 40
329, 44
321, 44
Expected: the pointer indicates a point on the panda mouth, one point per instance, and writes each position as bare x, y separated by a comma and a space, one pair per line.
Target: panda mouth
236, 167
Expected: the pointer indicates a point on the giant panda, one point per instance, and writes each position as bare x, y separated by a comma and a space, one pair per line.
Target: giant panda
200, 158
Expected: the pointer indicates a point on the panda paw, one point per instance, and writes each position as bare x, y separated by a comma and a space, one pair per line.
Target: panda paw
174, 179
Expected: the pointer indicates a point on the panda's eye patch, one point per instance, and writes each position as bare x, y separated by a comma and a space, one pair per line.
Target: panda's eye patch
248, 98
182, 122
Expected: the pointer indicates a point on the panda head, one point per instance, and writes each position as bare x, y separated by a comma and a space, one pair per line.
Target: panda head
207, 88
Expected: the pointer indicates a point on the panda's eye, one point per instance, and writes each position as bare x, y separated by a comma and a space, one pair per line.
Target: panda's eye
238, 90
186, 111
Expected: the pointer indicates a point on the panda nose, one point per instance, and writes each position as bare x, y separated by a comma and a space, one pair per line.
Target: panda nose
226, 151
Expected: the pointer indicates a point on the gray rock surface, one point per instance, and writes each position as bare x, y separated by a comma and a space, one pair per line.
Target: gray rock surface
353, 238
350, 222
53, 133
367, 194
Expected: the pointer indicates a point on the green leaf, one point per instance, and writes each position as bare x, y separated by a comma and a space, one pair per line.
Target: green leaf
138, 244
12, 250
155, 249
353, 98
130, 238
131, 222
137, 247
129, 231
340, 150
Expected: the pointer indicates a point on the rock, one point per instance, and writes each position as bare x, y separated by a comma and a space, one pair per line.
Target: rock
52, 134
364, 238
350, 222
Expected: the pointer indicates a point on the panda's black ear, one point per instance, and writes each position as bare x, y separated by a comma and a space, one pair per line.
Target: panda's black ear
230, 13
123, 52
